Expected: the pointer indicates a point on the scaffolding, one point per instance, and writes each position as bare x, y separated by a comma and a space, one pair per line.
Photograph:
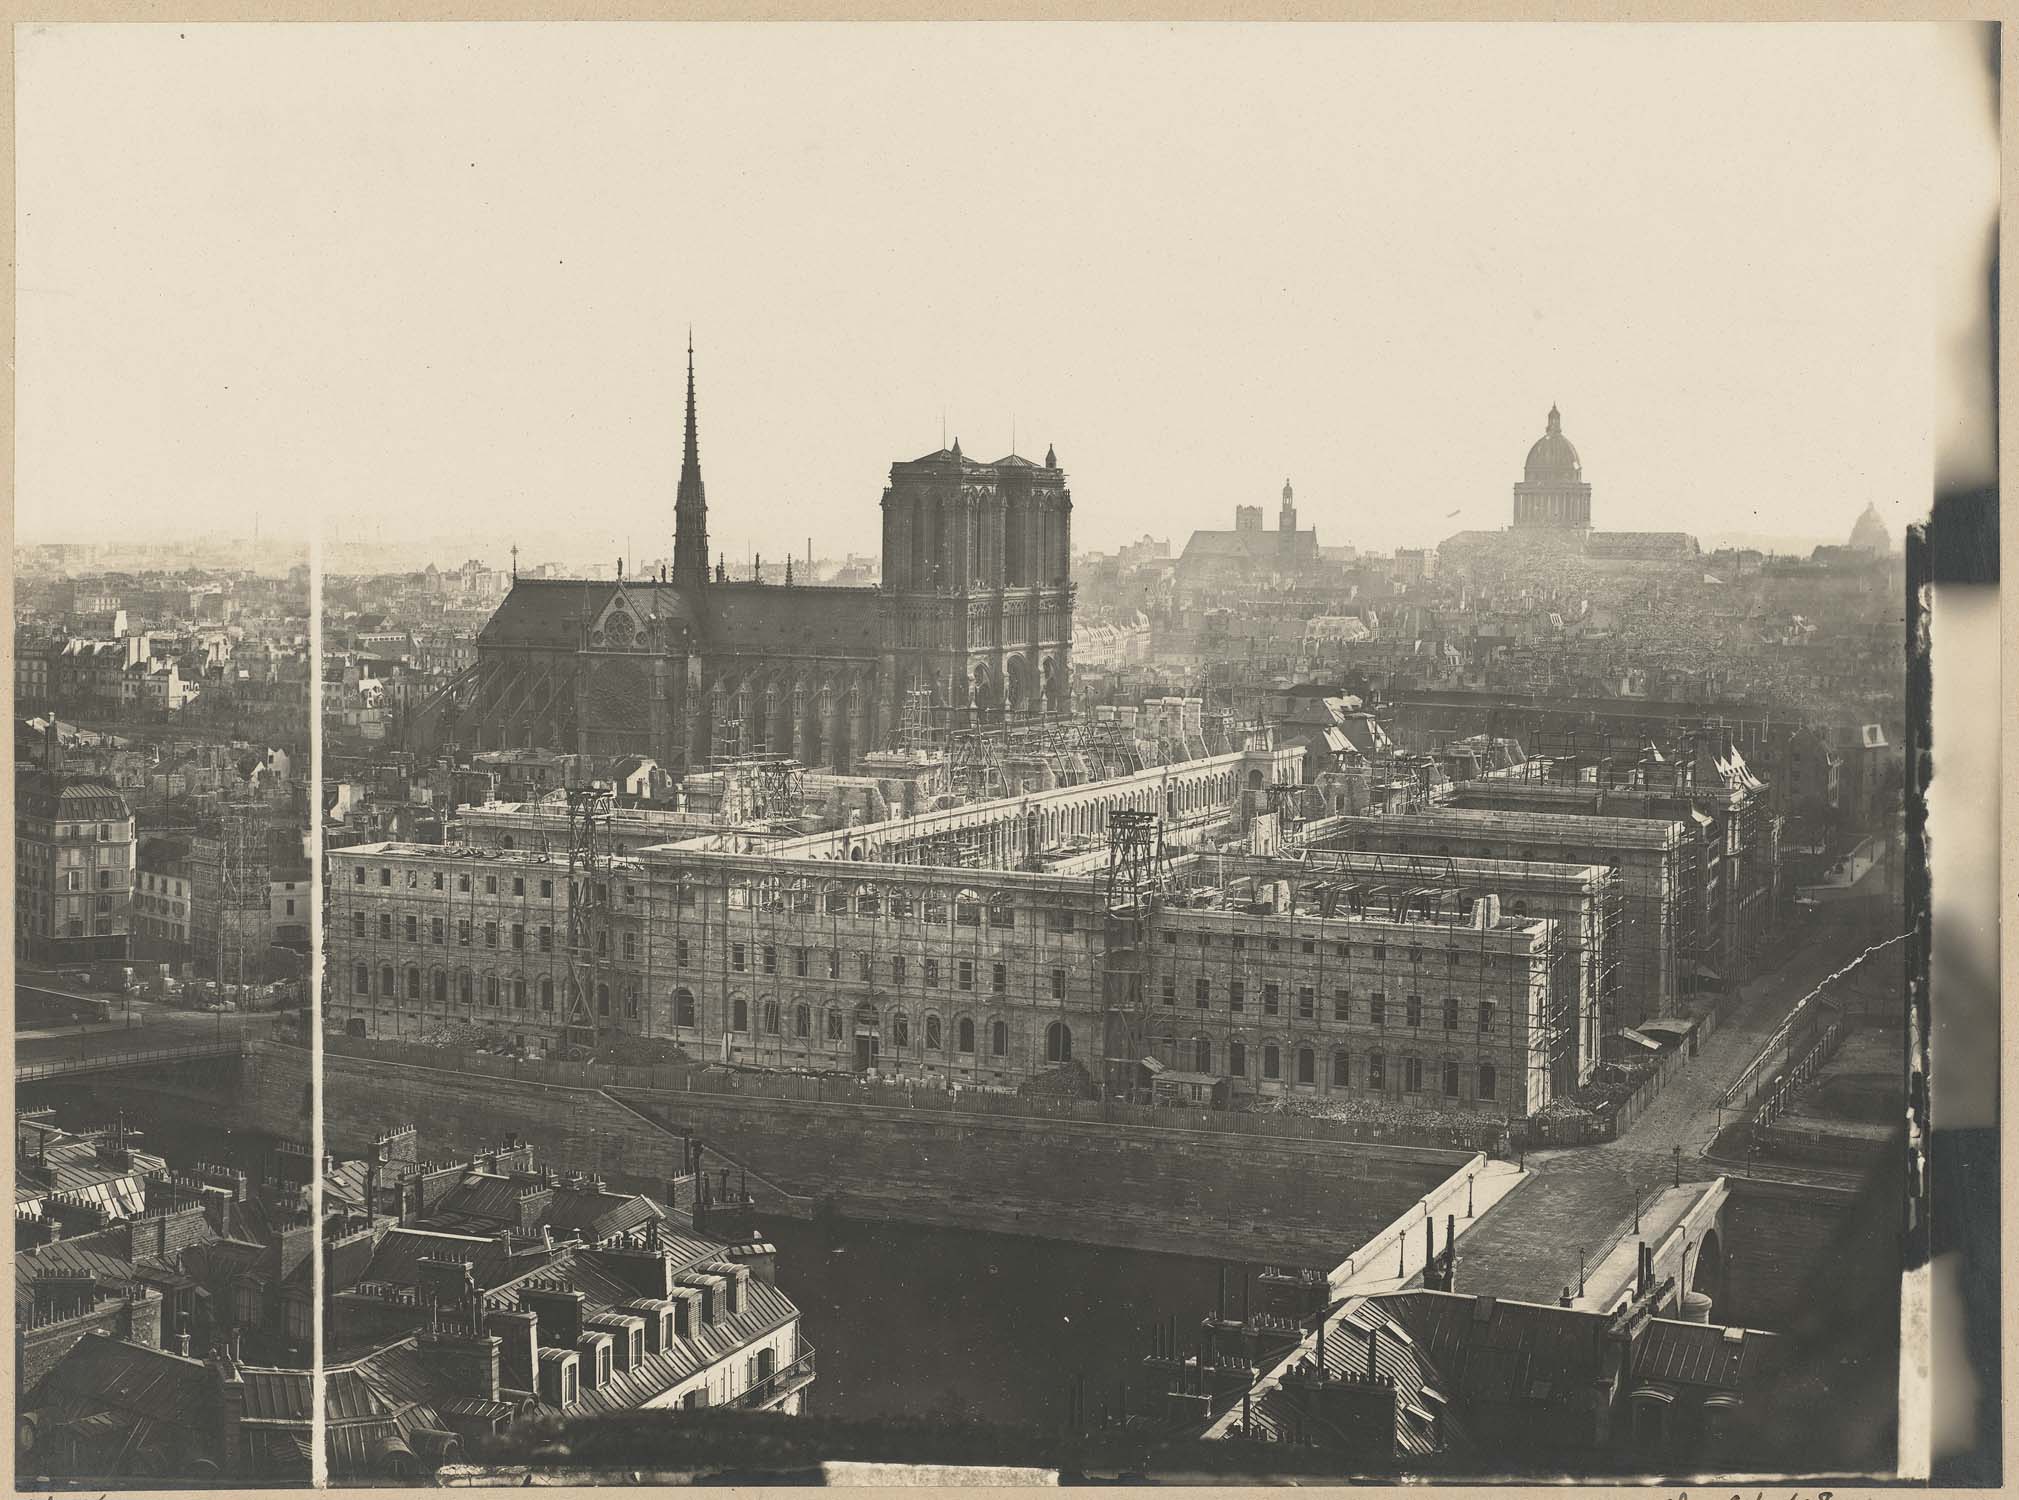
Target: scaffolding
589, 808
1138, 872
756, 788
1436, 891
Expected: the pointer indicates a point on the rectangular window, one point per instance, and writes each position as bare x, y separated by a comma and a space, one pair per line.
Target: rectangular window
770, 959
1205, 940
1170, 989
966, 974
932, 971
1202, 993
1345, 950
518, 885
1058, 984
463, 881
1308, 945
736, 960
630, 946
547, 888
833, 963
1237, 994
799, 962
1485, 1016
680, 951
1238, 941
1307, 1003
1450, 1013
1340, 999
1380, 952
438, 880
357, 924
1237, 1059
1377, 1071
490, 885
1058, 921
385, 875
1412, 1075
437, 931
1413, 1011
865, 967
413, 929
490, 934
519, 936
357, 874
462, 934
1271, 999
1377, 1009
999, 978
897, 969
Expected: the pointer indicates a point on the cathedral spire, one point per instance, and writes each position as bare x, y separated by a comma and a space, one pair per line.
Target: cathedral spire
690, 511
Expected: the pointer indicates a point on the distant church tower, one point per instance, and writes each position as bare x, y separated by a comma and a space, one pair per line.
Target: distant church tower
1552, 494
1286, 518
690, 509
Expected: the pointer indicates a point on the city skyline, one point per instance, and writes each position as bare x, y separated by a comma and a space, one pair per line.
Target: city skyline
417, 302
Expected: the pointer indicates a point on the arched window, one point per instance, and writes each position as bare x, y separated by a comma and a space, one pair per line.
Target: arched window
1272, 1061
932, 1033
413, 981
739, 1014
1058, 1042
441, 987
1377, 1071
1237, 1059
546, 994
518, 992
683, 1007
1307, 1065
602, 999
1202, 1055
1451, 1079
771, 1017
900, 1030
802, 1022
490, 989
361, 979
833, 1023
1488, 1080
998, 1038
1342, 1072
465, 986
966, 1032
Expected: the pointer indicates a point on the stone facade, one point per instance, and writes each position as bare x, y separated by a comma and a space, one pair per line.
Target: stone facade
975, 608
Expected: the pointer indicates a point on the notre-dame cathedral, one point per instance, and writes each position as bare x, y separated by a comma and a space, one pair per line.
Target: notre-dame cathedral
975, 605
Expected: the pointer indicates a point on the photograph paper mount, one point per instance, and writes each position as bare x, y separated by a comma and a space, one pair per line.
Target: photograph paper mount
505, 997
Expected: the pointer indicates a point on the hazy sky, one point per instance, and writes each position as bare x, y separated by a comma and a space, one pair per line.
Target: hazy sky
439, 277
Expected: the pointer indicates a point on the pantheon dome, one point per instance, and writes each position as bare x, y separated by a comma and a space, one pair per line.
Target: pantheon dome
1552, 494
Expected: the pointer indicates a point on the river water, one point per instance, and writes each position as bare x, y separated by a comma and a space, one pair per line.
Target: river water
909, 1321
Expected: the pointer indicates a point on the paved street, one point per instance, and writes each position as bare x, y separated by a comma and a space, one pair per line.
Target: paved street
154, 1026
1583, 1197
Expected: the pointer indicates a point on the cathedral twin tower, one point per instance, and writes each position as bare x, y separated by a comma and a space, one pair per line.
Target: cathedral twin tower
972, 625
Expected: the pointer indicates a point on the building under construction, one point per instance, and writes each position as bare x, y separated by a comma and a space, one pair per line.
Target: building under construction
232, 859
1174, 933
1729, 856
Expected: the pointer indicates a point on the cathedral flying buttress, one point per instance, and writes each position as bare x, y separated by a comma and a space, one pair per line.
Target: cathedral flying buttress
974, 608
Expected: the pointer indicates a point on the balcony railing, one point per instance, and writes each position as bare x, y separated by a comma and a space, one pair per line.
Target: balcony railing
779, 1383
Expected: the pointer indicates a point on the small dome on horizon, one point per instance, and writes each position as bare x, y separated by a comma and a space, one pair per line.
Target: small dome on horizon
1870, 533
